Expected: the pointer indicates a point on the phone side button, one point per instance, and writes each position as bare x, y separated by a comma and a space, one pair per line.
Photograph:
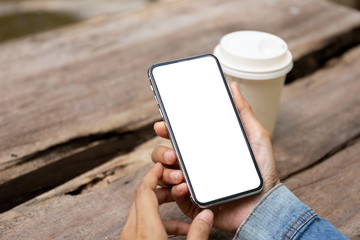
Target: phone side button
161, 113
151, 88
156, 100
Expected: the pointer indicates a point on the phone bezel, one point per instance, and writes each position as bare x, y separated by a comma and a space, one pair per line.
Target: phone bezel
174, 143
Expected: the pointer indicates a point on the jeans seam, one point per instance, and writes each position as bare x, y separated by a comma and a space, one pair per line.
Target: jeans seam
295, 223
256, 207
300, 224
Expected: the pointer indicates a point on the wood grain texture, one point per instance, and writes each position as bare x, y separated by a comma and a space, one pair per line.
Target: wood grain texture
318, 114
91, 78
97, 214
60, 167
95, 204
79, 9
120, 167
94, 215
332, 189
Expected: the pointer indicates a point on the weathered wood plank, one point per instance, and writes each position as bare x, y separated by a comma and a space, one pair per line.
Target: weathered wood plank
25, 18
80, 9
111, 207
56, 210
90, 78
94, 215
119, 167
65, 166
67, 216
318, 114
332, 189
305, 110
65, 212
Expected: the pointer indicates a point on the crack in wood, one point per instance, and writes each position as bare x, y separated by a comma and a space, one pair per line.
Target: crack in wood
32, 184
328, 155
315, 60
86, 186
71, 144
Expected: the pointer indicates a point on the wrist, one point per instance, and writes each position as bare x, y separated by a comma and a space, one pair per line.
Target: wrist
248, 204
278, 215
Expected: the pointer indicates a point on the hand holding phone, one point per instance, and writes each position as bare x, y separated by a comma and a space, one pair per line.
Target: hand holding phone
144, 219
228, 216
218, 164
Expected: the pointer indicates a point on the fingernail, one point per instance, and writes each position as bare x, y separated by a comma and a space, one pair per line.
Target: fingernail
174, 175
180, 188
168, 155
207, 215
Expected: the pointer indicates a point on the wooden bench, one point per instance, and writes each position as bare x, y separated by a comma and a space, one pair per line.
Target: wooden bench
76, 112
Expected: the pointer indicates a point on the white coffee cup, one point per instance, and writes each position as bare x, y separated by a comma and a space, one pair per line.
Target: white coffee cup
258, 62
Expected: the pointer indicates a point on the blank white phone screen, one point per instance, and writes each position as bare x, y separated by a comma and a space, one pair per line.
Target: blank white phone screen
206, 129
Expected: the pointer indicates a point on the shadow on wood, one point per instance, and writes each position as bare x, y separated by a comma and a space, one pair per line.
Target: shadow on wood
23, 24
104, 148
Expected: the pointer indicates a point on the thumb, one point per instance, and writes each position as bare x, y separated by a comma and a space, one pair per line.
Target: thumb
201, 226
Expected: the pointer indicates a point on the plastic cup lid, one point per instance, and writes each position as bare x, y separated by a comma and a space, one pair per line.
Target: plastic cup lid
253, 55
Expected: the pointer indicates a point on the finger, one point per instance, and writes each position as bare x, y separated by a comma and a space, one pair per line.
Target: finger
241, 104
161, 129
163, 195
177, 228
132, 216
164, 155
163, 184
172, 176
129, 230
146, 202
239, 99
249, 120
180, 193
201, 226
151, 179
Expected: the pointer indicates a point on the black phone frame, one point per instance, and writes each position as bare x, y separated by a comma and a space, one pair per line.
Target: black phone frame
176, 148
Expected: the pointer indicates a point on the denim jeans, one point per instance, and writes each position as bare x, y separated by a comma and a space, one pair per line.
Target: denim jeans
281, 215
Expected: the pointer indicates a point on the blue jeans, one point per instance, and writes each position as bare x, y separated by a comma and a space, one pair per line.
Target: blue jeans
281, 215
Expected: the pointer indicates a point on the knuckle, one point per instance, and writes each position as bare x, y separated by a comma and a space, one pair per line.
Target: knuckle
248, 106
262, 133
265, 133
154, 154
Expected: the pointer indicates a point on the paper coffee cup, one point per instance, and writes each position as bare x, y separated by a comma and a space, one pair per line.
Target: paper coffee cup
258, 62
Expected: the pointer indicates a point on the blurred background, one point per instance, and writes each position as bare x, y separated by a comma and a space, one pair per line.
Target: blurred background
24, 17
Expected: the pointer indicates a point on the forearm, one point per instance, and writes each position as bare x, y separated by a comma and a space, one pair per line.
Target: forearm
281, 215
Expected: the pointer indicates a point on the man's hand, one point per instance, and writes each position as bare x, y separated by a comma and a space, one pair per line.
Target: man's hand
144, 220
228, 216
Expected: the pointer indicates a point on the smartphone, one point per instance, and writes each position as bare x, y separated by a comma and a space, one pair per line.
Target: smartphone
205, 129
